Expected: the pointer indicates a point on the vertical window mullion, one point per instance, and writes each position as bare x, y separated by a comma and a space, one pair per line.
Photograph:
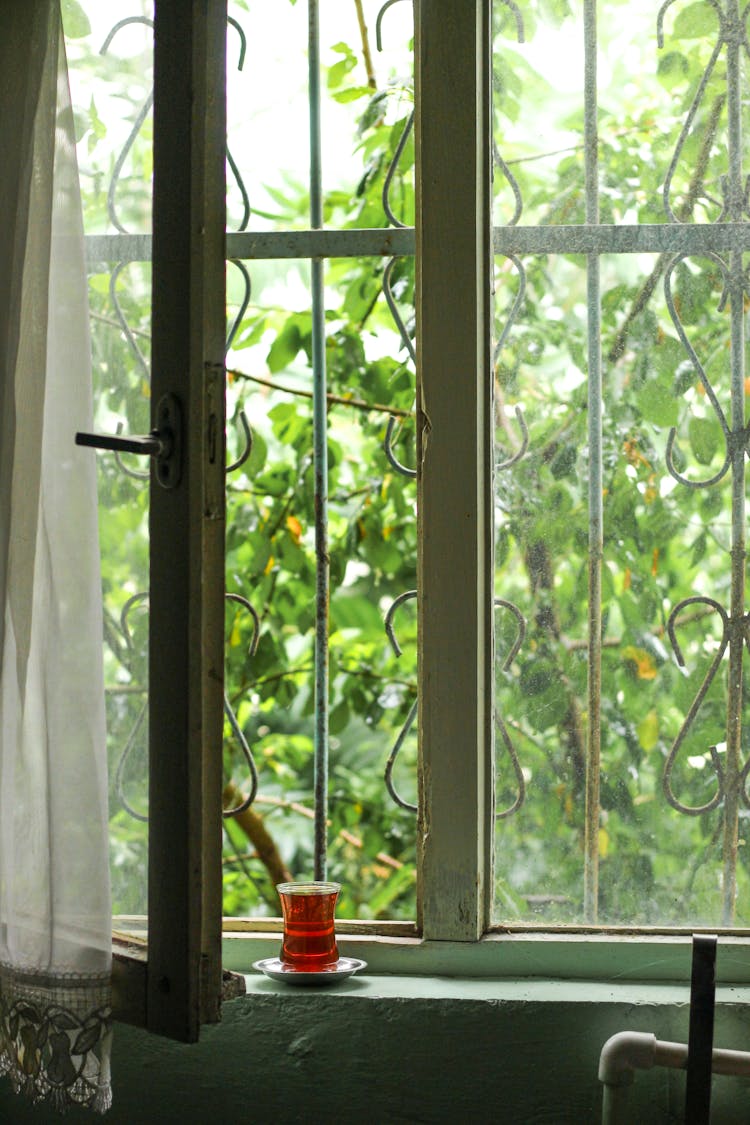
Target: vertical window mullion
187, 521
454, 373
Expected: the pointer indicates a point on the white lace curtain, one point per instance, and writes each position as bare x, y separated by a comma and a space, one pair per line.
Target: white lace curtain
55, 921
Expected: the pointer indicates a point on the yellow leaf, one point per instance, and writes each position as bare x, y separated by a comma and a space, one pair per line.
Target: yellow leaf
648, 731
603, 843
236, 636
645, 667
294, 527
269, 565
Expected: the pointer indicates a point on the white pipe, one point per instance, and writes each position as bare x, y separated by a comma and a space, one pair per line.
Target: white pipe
628, 1051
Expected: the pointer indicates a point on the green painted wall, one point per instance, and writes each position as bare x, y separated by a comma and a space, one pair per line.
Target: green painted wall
396, 1051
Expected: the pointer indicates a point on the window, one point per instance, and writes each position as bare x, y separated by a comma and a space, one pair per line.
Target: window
543, 428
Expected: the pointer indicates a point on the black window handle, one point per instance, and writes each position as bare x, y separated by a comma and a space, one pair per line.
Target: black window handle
164, 443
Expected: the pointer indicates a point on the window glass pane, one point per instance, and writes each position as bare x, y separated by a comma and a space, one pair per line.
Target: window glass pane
366, 102
644, 823
111, 74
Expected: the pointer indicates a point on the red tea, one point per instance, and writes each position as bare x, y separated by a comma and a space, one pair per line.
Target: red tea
309, 934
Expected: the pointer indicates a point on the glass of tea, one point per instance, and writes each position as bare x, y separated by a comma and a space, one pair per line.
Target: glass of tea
309, 943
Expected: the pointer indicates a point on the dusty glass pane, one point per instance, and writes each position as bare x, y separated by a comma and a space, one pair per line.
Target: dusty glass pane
366, 106
271, 563
665, 838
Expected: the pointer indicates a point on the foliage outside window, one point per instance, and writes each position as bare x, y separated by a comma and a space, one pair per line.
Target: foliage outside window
663, 542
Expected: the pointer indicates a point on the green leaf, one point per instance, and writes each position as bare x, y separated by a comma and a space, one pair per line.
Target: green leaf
75, 21
258, 454
705, 437
564, 462
536, 677
351, 94
285, 348
673, 69
339, 717
699, 549
657, 404
338, 72
351, 612
287, 423
668, 355
695, 21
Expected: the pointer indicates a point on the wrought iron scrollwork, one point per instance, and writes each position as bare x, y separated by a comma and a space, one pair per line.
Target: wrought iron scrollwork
406, 728
503, 814
680, 806
515, 805
141, 599
701, 372
732, 33
497, 158
232, 718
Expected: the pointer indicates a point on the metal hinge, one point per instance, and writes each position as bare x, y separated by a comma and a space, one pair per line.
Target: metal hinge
164, 443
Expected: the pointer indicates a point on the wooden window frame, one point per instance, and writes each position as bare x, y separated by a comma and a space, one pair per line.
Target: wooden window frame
175, 986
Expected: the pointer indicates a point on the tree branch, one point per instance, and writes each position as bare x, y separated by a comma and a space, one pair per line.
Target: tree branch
366, 52
253, 826
337, 400
683, 213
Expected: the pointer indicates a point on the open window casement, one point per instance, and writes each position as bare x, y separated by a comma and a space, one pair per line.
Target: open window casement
173, 984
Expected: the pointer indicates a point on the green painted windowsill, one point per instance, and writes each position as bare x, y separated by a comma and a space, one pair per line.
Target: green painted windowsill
501, 992
503, 960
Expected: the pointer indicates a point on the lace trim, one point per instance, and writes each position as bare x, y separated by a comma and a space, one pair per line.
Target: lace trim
55, 1041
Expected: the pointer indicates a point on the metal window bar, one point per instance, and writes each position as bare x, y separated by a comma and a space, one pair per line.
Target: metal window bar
320, 459
596, 514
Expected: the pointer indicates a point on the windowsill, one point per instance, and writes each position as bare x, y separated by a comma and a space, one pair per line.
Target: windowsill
607, 959
602, 969
499, 991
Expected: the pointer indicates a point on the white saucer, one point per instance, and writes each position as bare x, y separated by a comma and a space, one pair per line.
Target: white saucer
277, 970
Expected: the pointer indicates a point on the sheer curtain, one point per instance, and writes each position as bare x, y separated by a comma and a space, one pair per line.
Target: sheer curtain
55, 922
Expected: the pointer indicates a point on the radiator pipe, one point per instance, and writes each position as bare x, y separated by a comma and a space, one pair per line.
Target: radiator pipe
628, 1051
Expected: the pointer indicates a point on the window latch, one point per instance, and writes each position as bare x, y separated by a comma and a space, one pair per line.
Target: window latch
164, 443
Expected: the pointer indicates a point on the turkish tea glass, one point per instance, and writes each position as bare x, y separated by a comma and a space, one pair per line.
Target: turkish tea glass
309, 943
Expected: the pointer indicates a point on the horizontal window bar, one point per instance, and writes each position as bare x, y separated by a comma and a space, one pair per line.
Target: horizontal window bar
118, 248
377, 242
260, 245
655, 238
675, 238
